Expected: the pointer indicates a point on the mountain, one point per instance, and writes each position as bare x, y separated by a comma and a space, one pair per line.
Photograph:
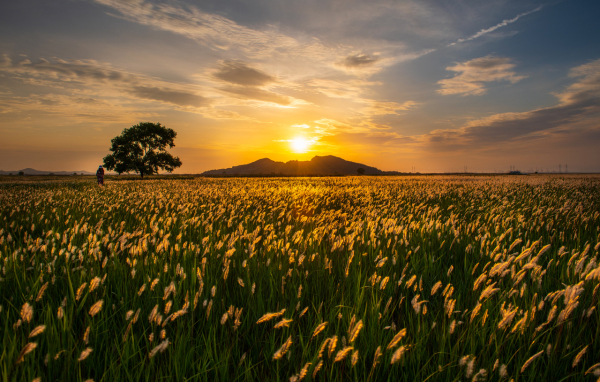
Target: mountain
319, 165
31, 171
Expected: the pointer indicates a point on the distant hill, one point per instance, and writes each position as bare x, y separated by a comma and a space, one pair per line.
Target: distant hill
31, 171
319, 165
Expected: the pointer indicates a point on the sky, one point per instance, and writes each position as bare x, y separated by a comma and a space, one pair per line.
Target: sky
415, 85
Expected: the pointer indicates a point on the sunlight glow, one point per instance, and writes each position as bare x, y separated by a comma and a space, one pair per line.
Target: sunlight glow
300, 145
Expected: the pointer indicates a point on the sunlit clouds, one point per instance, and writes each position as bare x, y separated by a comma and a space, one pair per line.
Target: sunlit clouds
390, 84
474, 73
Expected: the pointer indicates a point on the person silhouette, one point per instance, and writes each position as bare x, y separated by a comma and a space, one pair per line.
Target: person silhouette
100, 176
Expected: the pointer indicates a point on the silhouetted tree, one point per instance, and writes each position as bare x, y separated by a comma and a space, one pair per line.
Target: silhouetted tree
21, 173
360, 171
141, 149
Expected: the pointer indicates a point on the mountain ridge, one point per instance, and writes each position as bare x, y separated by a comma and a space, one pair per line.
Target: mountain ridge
318, 165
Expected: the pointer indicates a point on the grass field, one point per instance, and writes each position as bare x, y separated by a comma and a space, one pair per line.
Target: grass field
332, 279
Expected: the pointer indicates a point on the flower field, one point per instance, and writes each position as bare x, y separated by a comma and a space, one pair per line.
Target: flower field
347, 278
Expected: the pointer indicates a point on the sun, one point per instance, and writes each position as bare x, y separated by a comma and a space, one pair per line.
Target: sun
300, 145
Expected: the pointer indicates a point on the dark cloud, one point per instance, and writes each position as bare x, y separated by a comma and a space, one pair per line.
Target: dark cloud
248, 92
359, 61
174, 97
239, 73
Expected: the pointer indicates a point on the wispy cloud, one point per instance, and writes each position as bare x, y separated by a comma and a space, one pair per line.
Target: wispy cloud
374, 108
174, 97
474, 73
300, 54
250, 92
101, 83
214, 31
499, 25
79, 75
578, 111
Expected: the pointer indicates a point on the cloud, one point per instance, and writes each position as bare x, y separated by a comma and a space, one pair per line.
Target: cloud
82, 76
474, 73
240, 73
67, 70
499, 25
174, 97
587, 87
359, 60
246, 82
386, 107
577, 112
301, 54
214, 31
250, 92
60, 109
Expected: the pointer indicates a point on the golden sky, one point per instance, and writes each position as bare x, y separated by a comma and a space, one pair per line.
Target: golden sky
399, 85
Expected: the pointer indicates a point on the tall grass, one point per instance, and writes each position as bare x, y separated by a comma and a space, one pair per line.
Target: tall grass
227, 279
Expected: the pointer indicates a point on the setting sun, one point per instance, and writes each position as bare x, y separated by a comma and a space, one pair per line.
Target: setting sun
300, 145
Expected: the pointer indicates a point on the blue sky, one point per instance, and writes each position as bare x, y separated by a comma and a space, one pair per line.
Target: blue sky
392, 84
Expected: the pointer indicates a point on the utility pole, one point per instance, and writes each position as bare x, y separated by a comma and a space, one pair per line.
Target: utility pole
560, 168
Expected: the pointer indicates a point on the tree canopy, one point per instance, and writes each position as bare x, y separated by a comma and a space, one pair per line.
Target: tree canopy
142, 149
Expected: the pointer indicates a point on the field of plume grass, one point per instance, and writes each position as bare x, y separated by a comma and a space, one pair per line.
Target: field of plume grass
446, 278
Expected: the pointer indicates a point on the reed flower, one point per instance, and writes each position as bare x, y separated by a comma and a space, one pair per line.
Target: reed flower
436, 287
41, 292
26, 312
159, 348
376, 356
317, 368
26, 350
84, 354
397, 338
304, 371
80, 291
284, 323
398, 354
332, 345
355, 330
269, 316
96, 308
283, 349
343, 353
579, 356
37, 330
94, 283
530, 360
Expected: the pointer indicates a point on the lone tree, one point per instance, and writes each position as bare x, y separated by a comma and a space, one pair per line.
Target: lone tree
141, 148
360, 171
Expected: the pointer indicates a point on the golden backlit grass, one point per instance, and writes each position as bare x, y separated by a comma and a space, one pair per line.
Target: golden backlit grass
356, 278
